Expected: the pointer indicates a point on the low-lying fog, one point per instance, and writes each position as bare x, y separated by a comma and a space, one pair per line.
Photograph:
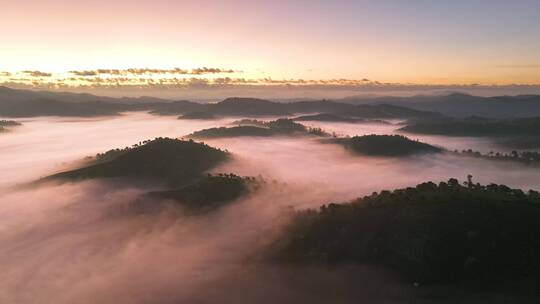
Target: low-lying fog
79, 243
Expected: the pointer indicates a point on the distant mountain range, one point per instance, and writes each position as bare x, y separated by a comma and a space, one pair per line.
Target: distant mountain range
461, 105
24, 103
477, 126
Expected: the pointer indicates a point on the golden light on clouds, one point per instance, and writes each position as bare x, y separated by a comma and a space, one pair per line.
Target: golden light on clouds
152, 77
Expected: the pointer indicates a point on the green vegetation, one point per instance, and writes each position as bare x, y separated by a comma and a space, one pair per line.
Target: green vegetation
181, 164
477, 126
385, 145
445, 233
285, 125
281, 126
9, 123
249, 122
526, 157
231, 132
210, 192
170, 160
6, 124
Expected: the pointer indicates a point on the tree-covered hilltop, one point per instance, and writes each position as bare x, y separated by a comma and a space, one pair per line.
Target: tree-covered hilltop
169, 160
445, 233
210, 192
5, 125
285, 125
280, 126
385, 145
477, 126
249, 122
525, 157
231, 132
9, 123
182, 165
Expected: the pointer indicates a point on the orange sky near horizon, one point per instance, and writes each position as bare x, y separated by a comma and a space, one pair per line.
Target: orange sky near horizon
388, 41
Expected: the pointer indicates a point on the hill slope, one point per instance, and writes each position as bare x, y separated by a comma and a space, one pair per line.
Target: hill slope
170, 160
26, 103
385, 145
463, 105
259, 128
476, 126
210, 192
446, 233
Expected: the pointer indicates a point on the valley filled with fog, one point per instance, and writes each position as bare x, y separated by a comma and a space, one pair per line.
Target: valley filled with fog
67, 242
270, 152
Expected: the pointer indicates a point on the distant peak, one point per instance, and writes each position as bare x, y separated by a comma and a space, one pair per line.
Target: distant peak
458, 94
243, 99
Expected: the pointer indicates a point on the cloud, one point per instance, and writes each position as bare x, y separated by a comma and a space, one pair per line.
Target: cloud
149, 71
84, 73
37, 73
208, 82
201, 71
109, 71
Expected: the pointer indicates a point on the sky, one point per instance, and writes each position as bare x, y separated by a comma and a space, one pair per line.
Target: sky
267, 42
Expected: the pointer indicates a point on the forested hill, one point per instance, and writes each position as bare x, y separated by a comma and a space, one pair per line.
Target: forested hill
444, 233
170, 160
477, 126
385, 145
278, 127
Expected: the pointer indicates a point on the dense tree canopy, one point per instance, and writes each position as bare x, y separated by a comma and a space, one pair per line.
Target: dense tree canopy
210, 192
477, 126
5, 125
171, 160
385, 145
9, 123
525, 157
445, 233
280, 126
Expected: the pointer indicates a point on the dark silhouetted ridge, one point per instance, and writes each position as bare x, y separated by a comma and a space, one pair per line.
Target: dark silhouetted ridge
477, 126
446, 233
170, 160
386, 145
283, 127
